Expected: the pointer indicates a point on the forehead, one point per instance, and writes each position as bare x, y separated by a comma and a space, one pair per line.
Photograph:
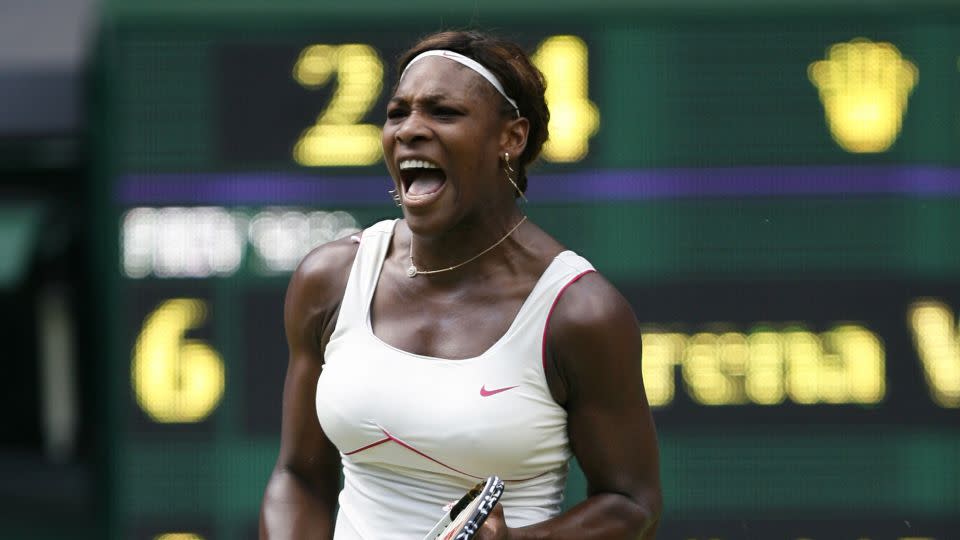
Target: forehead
436, 76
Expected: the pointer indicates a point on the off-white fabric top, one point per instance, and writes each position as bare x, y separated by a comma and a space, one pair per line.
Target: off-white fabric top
415, 432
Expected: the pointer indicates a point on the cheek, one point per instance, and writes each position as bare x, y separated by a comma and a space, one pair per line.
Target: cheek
485, 156
387, 142
387, 138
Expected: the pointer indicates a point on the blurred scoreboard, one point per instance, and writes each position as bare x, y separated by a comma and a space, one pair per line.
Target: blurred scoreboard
776, 192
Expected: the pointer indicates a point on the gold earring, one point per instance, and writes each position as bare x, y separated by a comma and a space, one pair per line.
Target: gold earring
511, 175
396, 197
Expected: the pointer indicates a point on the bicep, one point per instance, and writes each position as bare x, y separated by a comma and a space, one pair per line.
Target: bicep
612, 435
301, 494
304, 448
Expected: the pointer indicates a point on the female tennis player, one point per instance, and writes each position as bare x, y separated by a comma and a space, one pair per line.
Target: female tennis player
461, 341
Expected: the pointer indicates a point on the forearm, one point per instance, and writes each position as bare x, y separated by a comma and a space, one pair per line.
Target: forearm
607, 516
291, 510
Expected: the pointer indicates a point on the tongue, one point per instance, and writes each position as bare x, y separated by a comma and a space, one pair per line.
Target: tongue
425, 185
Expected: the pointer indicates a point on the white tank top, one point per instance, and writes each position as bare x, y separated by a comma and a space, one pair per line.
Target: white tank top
415, 432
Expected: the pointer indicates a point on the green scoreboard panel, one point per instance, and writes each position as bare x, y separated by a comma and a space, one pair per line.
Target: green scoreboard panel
775, 190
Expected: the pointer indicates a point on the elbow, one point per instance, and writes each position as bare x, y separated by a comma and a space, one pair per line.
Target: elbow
649, 507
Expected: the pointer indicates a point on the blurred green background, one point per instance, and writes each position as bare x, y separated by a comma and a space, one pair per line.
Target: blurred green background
775, 187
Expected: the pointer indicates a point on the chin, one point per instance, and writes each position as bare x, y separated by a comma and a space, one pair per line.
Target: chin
431, 223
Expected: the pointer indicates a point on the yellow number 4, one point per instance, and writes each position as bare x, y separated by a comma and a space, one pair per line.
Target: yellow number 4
176, 380
573, 117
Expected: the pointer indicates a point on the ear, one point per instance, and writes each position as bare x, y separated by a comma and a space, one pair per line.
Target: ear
513, 138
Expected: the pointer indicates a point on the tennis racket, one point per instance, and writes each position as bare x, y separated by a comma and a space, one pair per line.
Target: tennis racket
465, 516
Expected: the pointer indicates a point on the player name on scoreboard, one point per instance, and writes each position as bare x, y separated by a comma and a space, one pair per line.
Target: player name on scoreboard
767, 366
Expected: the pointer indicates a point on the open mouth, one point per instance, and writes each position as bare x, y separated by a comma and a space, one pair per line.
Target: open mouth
421, 178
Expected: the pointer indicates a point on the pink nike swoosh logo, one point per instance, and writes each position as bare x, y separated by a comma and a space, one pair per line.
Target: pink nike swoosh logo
486, 393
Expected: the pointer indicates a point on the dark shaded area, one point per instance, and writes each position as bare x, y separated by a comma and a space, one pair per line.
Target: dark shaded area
264, 361
49, 492
827, 529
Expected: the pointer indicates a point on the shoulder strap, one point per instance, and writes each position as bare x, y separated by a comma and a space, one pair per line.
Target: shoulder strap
566, 268
364, 274
575, 268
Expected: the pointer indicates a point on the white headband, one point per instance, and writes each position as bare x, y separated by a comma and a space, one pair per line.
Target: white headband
470, 63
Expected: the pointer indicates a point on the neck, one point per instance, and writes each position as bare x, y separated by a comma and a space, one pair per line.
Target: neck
473, 243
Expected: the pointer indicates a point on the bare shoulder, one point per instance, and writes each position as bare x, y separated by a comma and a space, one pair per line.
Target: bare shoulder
593, 341
326, 265
591, 308
316, 286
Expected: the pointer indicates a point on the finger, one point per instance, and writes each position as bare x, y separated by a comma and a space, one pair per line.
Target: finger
495, 526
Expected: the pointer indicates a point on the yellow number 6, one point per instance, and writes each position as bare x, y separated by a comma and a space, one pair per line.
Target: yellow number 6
176, 380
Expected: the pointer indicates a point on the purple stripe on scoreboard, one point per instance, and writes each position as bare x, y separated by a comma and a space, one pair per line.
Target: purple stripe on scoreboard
595, 186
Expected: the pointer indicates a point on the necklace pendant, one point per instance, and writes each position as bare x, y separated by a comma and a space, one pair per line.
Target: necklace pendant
412, 271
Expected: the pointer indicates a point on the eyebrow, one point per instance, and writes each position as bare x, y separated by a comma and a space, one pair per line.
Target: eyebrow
429, 99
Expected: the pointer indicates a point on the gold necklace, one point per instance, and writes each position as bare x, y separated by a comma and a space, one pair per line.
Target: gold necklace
413, 271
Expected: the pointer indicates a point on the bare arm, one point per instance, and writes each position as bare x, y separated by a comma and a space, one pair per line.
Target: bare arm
594, 345
301, 494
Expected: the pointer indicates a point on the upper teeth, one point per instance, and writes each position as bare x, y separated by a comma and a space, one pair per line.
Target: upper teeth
417, 164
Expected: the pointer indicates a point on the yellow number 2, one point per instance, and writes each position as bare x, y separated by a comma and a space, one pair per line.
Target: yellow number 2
338, 138
176, 380
573, 117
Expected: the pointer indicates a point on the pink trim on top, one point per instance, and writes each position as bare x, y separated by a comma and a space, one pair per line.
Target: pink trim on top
389, 437
419, 453
546, 325
367, 447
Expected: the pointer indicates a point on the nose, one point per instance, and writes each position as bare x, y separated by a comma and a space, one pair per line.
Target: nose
413, 128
